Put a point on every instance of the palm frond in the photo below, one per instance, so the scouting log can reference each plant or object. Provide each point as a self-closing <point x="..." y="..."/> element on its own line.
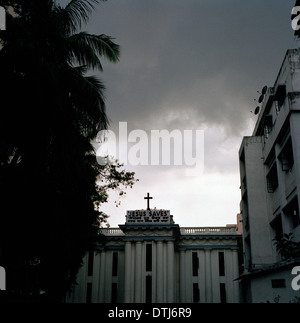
<point x="77" y="12"/>
<point x="82" y="54"/>
<point x="87" y="49"/>
<point x="106" y="47"/>
<point x="88" y="101"/>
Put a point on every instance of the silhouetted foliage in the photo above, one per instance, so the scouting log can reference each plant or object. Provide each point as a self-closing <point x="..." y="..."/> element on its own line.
<point x="50" y="181"/>
<point x="286" y="247"/>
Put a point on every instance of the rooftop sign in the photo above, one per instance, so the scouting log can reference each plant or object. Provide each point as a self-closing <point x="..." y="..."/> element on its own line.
<point x="148" y="217"/>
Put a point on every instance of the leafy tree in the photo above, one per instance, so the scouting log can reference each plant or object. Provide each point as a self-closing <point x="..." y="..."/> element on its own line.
<point x="50" y="181"/>
<point x="286" y="247"/>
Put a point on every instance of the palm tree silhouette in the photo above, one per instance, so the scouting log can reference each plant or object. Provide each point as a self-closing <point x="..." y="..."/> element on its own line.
<point x="50" y="111"/>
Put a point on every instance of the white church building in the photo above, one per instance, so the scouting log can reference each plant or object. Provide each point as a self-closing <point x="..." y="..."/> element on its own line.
<point x="150" y="259"/>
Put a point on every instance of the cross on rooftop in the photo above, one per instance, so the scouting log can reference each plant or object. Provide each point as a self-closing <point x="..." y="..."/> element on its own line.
<point x="148" y="198"/>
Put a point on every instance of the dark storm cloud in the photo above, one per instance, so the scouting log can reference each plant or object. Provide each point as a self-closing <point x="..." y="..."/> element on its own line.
<point x="193" y="62"/>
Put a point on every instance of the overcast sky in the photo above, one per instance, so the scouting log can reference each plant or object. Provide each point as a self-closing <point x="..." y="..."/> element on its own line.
<point x="191" y="65"/>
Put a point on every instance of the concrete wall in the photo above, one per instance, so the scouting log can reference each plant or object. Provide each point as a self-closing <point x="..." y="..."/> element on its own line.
<point x="262" y="290"/>
<point x="254" y="206"/>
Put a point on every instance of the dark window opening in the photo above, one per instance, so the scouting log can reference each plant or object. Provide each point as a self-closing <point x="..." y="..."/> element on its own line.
<point x="272" y="179"/>
<point x="89" y="293"/>
<point x="223" y="293"/>
<point x="114" y="292"/>
<point x="221" y="264"/>
<point x="115" y="264"/>
<point x="277" y="226"/>
<point x="292" y="211"/>
<point x="196" y="293"/>
<point x="90" y="263"/>
<point x="286" y="156"/>
<point x="195" y="263"/>
<point x="148" y="257"/>
<point x="278" y="283"/>
<point x="148" y="289"/>
<point x="268" y="125"/>
<point x="280" y="94"/>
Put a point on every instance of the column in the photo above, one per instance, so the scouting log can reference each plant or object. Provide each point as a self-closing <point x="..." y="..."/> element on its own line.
<point x="127" y="291"/>
<point x="154" y="271"/>
<point x="159" y="273"/>
<point x="235" y="265"/>
<point x="182" y="277"/>
<point x="138" y="273"/>
<point x="208" y="294"/>
<point x="215" y="278"/>
<point x="202" y="280"/>
<point x="102" y="277"/>
<point x="108" y="276"/>
<point x="170" y="276"/>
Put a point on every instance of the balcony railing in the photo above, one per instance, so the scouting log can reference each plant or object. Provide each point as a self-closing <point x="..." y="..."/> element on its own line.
<point x="208" y="230"/>
<point x="112" y="232"/>
<point x="183" y="231"/>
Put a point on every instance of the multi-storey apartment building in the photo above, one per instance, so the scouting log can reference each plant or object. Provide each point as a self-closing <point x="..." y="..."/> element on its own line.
<point x="270" y="186"/>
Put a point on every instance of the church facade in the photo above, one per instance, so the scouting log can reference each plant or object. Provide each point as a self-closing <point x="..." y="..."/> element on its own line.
<point x="150" y="259"/>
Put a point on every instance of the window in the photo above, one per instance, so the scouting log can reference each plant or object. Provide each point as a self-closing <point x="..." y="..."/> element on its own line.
<point x="221" y="264"/>
<point x="115" y="264"/>
<point x="148" y="257"/>
<point x="195" y="263"/>
<point x="89" y="293"/>
<point x="295" y="218"/>
<point x="272" y="179"/>
<point x="277" y="107"/>
<point x="196" y="293"/>
<point x="286" y="156"/>
<point x="222" y="293"/>
<point x="268" y="125"/>
<point x="90" y="263"/>
<point x="280" y="94"/>
<point x="276" y="225"/>
<point x="292" y="211"/>
<point x="114" y="292"/>
<point x="245" y="211"/>
<point x="278" y="283"/>
<point x="148" y="289"/>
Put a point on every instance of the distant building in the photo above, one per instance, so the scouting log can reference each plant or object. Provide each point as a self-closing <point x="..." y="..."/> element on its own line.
<point x="270" y="187"/>
<point x="150" y="259"/>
